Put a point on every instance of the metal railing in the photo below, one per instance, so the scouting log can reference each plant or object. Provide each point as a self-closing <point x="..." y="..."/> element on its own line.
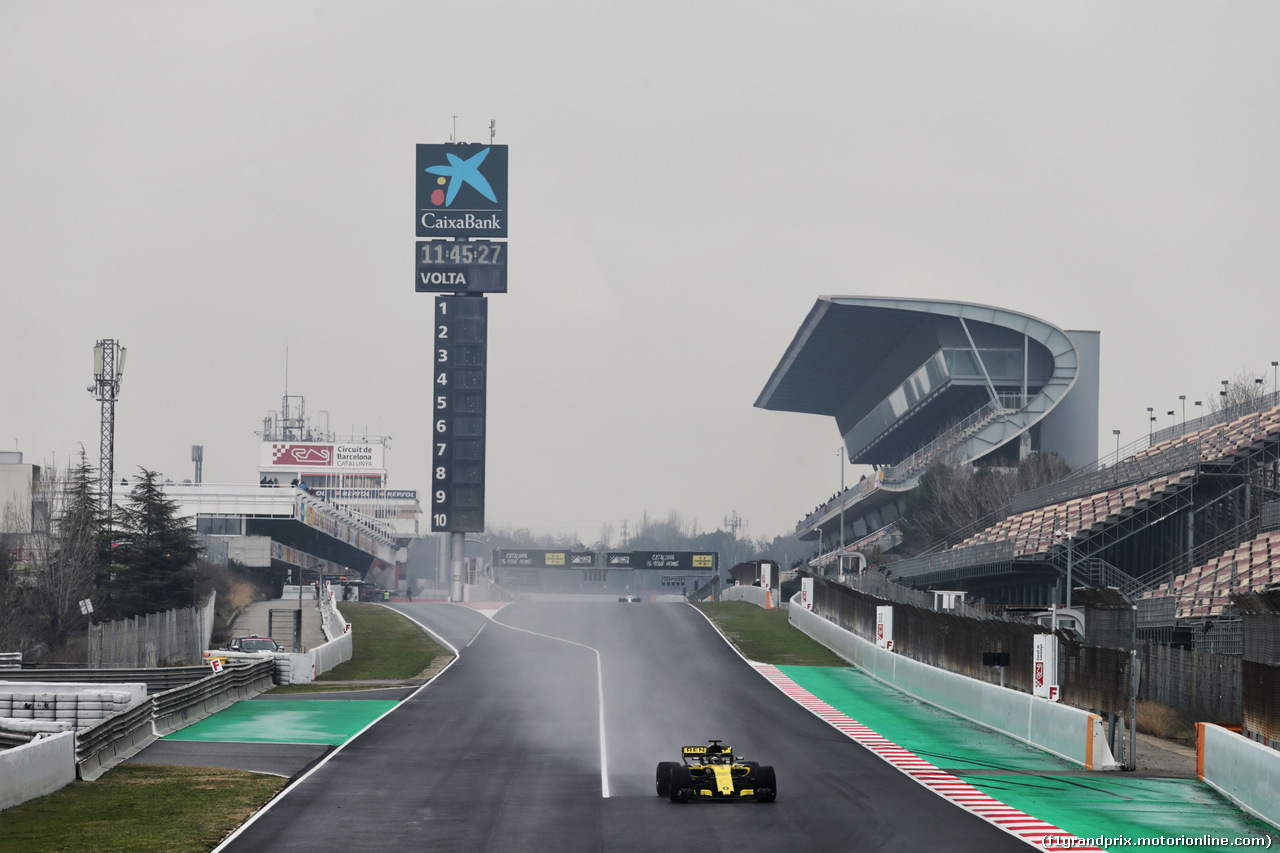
<point x="101" y="746"/>
<point x="1248" y="407"/>
<point x="156" y="679"/>
<point x="1091" y="481"/>
<point x="952" y="436"/>
<point x="992" y="554"/>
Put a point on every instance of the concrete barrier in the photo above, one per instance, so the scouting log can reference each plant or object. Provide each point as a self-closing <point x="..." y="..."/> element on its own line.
<point x="1244" y="771"/>
<point x="754" y="594"/>
<point x="1069" y="733"/>
<point x="37" y="768"/>
<point x="332" y="653"/>
<point x="294" y="668"/>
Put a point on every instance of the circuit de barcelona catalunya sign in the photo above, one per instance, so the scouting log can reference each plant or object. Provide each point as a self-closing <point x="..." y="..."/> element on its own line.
<point x="462" y="190"/>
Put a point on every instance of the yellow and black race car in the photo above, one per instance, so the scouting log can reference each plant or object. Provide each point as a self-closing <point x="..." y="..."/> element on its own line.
<point x="712" y="772"/>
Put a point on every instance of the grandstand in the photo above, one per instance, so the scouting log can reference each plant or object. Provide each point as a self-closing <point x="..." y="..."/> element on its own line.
<point x="1179" y="526"/>
<point x="1179" y="521"/>
<point x="1203" y="592"/>
<point x="910" y="381"/>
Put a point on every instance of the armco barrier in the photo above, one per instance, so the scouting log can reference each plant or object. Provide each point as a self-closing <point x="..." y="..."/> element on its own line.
<point x="1069" y="733"/>
<point x="45" y="764"/>
<point x="156" y="679"/>
<point x="1242" y="770"/>
<point x="37" y="768"/>
<point x="101" y="747"/>
<point x="183" y="706"/>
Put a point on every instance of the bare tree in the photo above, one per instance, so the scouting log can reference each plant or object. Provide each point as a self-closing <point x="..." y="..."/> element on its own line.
<point x="65" y="549"/>
<point x="1244" y="390"/>
<point x="950" y="498"/>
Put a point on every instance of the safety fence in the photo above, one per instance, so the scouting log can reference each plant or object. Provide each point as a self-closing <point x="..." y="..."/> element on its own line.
<point x="169" y="638"/>
<point x="1261" y="664"/>
<point x="1099" y="677"/>
<point x="1206" y="685"/>
<point x="1090" y="677"/>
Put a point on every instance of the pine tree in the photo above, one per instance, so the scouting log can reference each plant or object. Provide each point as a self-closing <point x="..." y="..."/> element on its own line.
<point x="153" y="552"/>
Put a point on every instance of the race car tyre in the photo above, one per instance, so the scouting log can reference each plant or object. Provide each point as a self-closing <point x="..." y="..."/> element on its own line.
<point x="681" y="784"/>
<point x="664" y="777"/>
<point x="766" y="785"/>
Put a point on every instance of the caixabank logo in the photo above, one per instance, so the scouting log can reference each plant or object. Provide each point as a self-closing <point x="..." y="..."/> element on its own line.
<point x="462" y="190"/>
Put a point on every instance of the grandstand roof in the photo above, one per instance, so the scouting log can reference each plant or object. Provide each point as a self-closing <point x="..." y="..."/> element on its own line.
<point x="894" y="372"/>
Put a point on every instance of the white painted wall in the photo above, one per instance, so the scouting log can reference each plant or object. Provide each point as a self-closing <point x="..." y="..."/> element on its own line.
<point x="1242" y="770"/>
<point x="37" y="768"/>
<point x="1069" y="733"/>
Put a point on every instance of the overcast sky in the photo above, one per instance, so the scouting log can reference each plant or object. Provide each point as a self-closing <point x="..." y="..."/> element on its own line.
<point x="211" y="183"/>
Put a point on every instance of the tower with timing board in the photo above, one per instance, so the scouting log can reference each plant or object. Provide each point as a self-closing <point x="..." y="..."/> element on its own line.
<point x="461" y="209"/>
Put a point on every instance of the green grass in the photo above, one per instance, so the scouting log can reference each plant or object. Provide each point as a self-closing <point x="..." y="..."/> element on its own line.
<point x="139" y="808"/>
<point x="386" y="646"/>
<point x="766" y="635"/>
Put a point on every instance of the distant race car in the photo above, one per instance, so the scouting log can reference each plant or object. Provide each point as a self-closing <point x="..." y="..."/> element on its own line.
<point x="631" y="599"/>
<point x="712" y="772"/>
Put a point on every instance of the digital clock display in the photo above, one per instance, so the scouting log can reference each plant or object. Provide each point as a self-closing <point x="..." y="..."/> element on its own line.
<point x="454" y="254"/>
<point x="457" y="266"/>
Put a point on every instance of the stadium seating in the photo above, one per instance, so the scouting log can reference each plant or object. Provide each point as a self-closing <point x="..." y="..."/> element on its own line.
<point x="1033" y="532"/>
<point x="1220" y="441"/>
<point x="1248" y="567"/>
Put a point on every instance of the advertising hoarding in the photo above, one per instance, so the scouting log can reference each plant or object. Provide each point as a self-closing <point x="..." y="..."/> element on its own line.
<point x="316" y="455"/>
<point x="537" y="559"/>
<point x="461" y="190"/>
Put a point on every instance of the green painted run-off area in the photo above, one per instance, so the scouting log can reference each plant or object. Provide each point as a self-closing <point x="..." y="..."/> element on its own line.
<point x="287" y="721"/>
<point x="1088" y="805"/>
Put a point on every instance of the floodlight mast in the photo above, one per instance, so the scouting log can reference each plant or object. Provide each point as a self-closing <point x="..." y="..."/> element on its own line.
<point x="108" y="370"/>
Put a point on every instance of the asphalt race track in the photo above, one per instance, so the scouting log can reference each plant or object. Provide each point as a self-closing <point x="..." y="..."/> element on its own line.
<point x="502" y="751"/>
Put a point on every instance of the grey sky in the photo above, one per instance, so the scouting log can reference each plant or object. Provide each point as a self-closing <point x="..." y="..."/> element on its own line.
<point x="213" y="182"/>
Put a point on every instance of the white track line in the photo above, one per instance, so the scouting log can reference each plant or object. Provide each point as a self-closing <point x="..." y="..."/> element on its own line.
<point x="604" y="753"/>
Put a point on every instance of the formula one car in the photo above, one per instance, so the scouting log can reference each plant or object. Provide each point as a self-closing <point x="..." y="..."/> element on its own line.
<point x="712" y="772"/>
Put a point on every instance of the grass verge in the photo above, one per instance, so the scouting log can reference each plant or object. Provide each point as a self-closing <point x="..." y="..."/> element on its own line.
<point x="387" y="646"/>
<point x="139" y="808"/>
<point x="766" y="635"/>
